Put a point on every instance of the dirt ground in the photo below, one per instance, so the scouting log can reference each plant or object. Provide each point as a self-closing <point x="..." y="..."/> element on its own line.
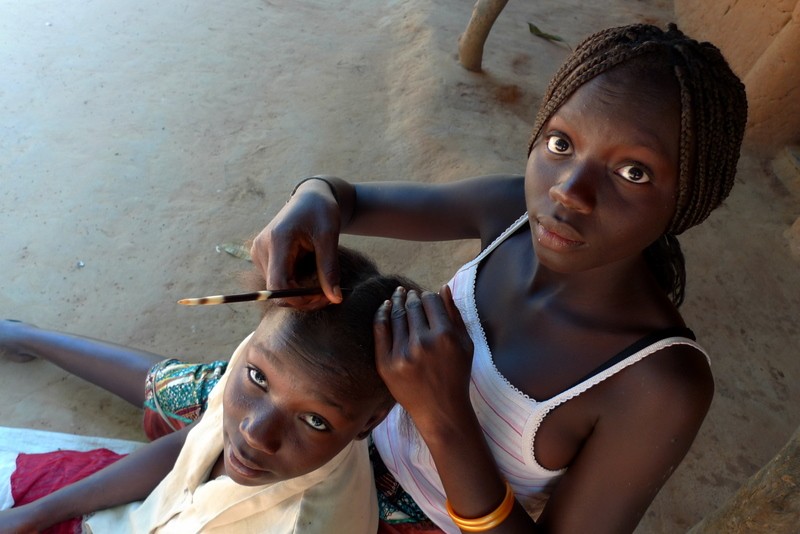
<point x="136" y="137"/>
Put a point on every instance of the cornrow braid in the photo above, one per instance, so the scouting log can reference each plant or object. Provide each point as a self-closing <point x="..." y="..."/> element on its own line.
<point x="713" y="116"/>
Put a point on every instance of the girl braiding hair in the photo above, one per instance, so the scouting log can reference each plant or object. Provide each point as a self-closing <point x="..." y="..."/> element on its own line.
<point x="713" y="118"/>
<point x="579" y="388"/>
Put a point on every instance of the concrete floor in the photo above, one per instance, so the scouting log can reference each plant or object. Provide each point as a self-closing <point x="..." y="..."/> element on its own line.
<point x="134" y="138"/>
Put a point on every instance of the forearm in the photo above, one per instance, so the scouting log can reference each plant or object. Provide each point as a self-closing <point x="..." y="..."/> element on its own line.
<point x="130" y="479"/>
<point x="382" y="209"/>
<point x="421" y="211"/>
<point x="472" y="482"/>
<point x="424" y="354"/>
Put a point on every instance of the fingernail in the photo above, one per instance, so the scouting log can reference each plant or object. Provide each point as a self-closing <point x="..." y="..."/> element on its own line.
<point x="337" y="292"/>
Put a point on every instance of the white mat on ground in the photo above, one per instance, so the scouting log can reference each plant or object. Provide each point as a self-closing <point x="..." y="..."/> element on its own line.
<point x="16" y="440"/>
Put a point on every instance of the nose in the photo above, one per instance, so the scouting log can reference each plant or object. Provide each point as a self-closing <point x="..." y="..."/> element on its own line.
<point x="576" y="189"/>
<point x="264" y="430"/>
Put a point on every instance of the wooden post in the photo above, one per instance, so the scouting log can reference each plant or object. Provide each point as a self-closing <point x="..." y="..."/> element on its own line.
<point x="768" y="503"/>
<point x="470" y="44"/>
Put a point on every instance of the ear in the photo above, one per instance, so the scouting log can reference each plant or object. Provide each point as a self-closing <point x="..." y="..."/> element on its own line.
<point x="379" y="415"/>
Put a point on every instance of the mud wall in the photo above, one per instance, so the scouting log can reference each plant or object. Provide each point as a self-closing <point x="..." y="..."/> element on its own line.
<point x="761" y="41"/>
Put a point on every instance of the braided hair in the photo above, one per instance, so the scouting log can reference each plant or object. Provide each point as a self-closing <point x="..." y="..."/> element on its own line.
<point x="713" y="115"/>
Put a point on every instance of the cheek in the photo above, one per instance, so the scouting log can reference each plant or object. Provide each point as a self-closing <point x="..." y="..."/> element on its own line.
<point x="234" y="405"/>
<point x="532" y="167"/>
<point x="661" y="214"/>
<point x="536" y="177"/>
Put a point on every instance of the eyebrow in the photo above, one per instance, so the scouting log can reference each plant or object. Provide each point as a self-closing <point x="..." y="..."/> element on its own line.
<point x="315" y="394"/>
<point x="645" y="138"/>
<point x="649" y="140"/>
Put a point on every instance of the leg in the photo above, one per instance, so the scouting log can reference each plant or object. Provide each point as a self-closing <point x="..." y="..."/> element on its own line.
<point x="117" y="369"/>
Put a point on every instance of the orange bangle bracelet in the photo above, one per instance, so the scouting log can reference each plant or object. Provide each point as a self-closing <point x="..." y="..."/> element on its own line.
<point x="490" y="520"/>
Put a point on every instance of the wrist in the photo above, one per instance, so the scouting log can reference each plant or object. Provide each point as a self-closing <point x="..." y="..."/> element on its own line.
<point x="317" y="182"/>
<point x="447" y="427"/>
<point x="487" y="521"/>
<point x="343" y="193"/>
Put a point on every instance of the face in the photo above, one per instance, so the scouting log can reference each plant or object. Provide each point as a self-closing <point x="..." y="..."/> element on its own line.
<point x="278" y="422"/>
<point x="601" y="180"/>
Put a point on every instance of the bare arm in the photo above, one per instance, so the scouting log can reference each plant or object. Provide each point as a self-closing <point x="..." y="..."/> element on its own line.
<point x="424" y="355"/>
<point x="313" y="219"/>
<point x="467" y="209"/>
<point x="650" y="417"/>
<point x="130" y="479"/>
<point x="115" y="368"/>
<point x="646" y="421"/>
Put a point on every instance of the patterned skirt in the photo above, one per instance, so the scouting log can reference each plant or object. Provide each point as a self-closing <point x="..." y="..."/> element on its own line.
<point x="176" y="393"/>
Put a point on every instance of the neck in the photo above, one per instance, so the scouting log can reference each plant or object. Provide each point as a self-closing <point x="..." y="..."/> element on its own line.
<point x="619" y="284"/>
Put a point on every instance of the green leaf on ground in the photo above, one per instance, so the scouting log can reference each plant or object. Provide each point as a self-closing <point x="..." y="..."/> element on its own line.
<point x="549" y="36"/>
<point x="236" y="249"/>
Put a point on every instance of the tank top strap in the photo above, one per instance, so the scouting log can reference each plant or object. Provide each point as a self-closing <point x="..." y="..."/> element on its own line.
<point x="516" y="225"/>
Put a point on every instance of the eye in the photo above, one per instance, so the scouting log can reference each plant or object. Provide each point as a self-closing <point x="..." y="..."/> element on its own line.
<point x="257" y="377"/>
<point x="635" y="173"/>
<point x="558" y="145"/>
<point x="314" y="421"/>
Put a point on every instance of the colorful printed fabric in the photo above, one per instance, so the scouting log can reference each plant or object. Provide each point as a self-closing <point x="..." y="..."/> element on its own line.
<point x="396" y="508"/>
<point x="176" y="394"/>
<point x="408" y="528"/>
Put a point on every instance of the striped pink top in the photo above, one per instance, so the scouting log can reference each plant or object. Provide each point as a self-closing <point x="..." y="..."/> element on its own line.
<point x="509" y="418"/>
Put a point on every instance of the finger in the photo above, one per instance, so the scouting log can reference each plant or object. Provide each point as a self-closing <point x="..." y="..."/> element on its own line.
<point x="327" y="258"/>
<point x="435" y="311"/>
<point x="454" y="314"/>
<point x="259" y="254"/>
<point x="449" y="304"/>
<point x="399" y="319"/>
<point x="382" y="329"/>
<point x="416" y="314"/>
<point x="277" y="258"/>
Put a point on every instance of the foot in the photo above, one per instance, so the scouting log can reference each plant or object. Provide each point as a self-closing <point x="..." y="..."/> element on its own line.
<point x="11" y="333"/>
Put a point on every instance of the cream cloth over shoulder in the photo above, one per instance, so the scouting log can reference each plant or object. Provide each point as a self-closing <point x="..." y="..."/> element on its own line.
<point x="337" y="497"/>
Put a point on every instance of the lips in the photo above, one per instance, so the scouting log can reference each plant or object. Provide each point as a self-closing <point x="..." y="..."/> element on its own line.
<point x="243" y="465"/>
<point x="555" y="234"/>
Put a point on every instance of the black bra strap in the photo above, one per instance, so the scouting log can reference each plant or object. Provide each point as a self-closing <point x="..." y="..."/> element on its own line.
<point x="646" y="341"/>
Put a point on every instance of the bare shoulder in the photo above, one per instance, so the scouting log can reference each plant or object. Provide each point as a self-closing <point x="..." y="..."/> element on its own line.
<point x="494" y="201"/>
<point x="678" y="376"/>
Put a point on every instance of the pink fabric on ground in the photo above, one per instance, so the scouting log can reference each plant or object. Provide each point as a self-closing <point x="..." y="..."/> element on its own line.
<point x="38" y="475"/>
